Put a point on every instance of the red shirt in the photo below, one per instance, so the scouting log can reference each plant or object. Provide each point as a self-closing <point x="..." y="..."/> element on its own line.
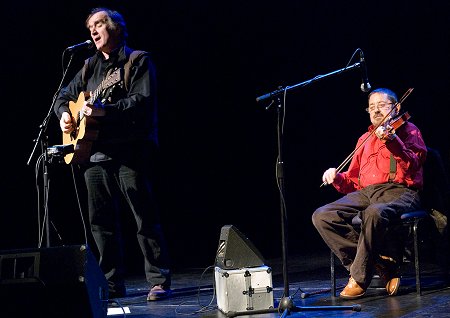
<point x="371" y="163"/>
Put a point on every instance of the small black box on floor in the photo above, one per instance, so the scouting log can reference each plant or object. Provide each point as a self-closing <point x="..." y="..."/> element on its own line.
<point x="52" y="282"/>
<point x="244" y="289"/>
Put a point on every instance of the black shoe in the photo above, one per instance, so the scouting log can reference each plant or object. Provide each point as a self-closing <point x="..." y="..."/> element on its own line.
<point x="116" y="290"/>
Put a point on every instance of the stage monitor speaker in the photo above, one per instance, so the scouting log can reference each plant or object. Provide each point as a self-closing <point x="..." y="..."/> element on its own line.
<point x="236" y="251"/>
<point x="52" y="282"/>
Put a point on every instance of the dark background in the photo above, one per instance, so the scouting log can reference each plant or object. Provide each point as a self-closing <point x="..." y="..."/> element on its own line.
<point x="218" y="145"/>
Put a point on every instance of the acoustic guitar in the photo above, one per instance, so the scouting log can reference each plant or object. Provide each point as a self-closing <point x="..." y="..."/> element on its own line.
<point x="86" y="127"/>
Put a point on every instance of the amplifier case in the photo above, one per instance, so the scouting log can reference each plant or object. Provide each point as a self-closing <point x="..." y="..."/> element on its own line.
<point x="245" y="289"/>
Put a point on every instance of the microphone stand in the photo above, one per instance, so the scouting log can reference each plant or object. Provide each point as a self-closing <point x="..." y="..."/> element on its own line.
<point x="286" y="304"/>
<point x="42" y="139"/>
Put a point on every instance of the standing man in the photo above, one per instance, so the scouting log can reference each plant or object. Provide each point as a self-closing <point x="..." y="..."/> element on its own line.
<point x="381" y="183"/>
<point x="118" y="167"/>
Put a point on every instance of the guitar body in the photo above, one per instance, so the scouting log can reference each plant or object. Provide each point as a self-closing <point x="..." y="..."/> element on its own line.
<point x="86" y="127"/>
<point x="82" y="137"/>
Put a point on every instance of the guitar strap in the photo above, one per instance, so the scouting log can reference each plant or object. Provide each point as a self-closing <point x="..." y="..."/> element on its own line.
<point x="127" y="67"/>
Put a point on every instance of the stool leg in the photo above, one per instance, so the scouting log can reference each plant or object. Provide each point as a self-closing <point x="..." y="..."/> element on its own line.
<point x="416" y="257"/>
<point x="333" y="275"/>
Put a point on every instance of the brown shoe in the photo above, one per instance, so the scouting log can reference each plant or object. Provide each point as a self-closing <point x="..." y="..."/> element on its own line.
<point x="387" y="268"/>
<point x="392" y="286"/>
<point x="353" y="290"/>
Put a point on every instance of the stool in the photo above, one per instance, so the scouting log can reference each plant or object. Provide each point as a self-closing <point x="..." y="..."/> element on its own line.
<point x="411" y="219"/>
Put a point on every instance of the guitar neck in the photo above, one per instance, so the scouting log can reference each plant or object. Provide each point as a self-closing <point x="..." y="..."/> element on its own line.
<point x="95" y="94"/>
<point x="109" y="81"/>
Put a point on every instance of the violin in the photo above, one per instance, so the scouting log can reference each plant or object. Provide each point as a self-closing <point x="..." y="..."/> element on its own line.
<point x="397" y="122"/>
<point x="392" y="125"/>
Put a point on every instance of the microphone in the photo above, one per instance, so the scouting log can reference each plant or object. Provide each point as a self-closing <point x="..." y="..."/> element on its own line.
<point x="365" y="85"/>
<point x="85" y="45"/>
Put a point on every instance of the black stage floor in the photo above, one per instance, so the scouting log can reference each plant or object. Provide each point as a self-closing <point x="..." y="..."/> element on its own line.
<point x="309" y="288"/>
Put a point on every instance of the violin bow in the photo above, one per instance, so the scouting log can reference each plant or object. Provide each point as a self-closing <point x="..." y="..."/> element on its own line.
<point x="350" y="156"/>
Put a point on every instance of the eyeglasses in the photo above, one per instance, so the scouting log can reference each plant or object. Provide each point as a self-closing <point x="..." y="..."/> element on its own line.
<point x="380" y="105"/>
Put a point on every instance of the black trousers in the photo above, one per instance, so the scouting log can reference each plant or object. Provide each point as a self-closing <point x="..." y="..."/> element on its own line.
<point x="377" y="206"/>
<point x="108" y="184"/>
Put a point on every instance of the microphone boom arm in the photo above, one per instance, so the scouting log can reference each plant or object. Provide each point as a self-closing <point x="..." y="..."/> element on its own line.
<point x="314" y="79"/>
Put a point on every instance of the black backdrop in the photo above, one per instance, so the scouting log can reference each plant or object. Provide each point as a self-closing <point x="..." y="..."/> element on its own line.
<point x="218" y="146"/>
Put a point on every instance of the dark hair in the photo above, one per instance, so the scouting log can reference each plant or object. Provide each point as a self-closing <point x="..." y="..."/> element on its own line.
<point x="114" y="20"/>
<point x="391" y="95"/>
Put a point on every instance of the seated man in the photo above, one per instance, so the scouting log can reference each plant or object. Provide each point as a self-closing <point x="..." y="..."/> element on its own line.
<point x="381" y="183"/>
